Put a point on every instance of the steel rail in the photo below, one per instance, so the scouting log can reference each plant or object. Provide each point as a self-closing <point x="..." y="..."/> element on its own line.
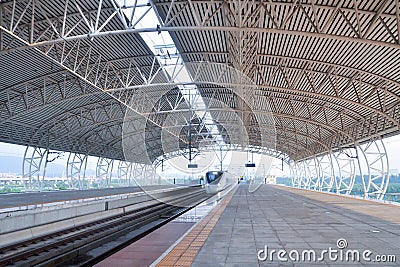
<point x="29" y="253"/>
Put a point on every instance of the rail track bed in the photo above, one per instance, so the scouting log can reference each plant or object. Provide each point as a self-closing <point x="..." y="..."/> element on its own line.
<point x="89" y="243"/>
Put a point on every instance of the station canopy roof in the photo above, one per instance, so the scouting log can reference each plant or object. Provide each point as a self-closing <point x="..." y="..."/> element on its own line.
<point x="294" y="78"/>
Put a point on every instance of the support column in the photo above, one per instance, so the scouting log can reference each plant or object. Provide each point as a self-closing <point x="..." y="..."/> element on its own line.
<point x="125" y="173"/>
<point x="304" y="176"/>
<point x="326" y="173"/>
<point x="151" y="176"/>
<point x="34" y="167"/>
<point x="294" y="174"/>
<point x="144" y="174"/>
<point x="337" y="171"/>
<point x="76" y="170"/>
<point x="137" y="172"/>
<point x="344" y="163"/>
<point x="104" y="171"/>
<point x="330" y="172"/>
<point x="374" y="168"/>
<point x="313" y="173"/>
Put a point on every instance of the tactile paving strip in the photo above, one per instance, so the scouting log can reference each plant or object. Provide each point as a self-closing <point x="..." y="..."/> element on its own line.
<point x="184" y="253"/>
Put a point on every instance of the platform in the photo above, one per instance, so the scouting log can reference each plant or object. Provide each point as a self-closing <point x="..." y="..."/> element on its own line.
<point x="149" y="248"/>
<point x="239" y="231"/>
<point x="32" y="198"/>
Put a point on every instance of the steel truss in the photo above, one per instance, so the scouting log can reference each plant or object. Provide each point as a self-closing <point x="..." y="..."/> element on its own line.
<point x="294" y="174"/>
<point x="29" y="20"/>
<point x="174" y="114"/>
<point x="64" y="38"/>
<point x="376" y="178"/>
<point x="145" y="174"/>
<point x="104" y="171"/>
<point x="125" y="174"/>
<point x="36" y="160"/>
<point x="344" y="165"/>
<point x="326" y="172"/>
<point x="338" y="171"/>
<point x="319" y="104"/>
<point x="34" y="167"/>
<point x="228" y="147"/>
<point x="329" y="172"/>
<point x="76" y="170"/>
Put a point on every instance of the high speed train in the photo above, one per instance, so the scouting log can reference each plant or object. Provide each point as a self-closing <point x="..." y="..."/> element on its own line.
<point x="217" y="181"/>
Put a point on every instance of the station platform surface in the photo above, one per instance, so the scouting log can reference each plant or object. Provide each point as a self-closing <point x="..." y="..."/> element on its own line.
<point x="244" y="226"/>
<point x="32" y="198"/>
<point x="146" y="250"/>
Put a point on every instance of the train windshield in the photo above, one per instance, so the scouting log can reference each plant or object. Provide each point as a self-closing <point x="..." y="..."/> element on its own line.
<point x="212" y="176"/>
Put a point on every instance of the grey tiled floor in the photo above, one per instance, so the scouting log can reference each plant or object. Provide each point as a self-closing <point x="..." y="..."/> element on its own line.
<point x="284" y="220"/>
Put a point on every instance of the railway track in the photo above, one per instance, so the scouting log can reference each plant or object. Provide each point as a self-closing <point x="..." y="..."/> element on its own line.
<point x="66" y="245"/>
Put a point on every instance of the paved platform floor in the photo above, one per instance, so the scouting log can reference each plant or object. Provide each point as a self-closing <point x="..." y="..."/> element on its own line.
<point x="32" y="198"/>
<point x="146" y="250"/>
<point x="183" y="253"/>
<point x="299" y="221"/>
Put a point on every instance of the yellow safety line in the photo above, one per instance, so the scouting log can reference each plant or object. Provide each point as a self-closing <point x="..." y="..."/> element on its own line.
<point x="184" y="253"/>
